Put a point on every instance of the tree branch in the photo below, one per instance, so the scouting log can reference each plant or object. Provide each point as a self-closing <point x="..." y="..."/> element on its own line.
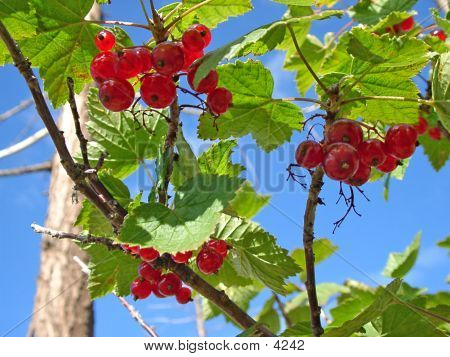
<point x="22" y="145"/>
<point x="281" y="306"/>
<point x="45" y="166"/>
<point x="17" y="109"/>
<point x="308" y="239"/>
<point x="199" y="318"/>
<point x="305" y="61"/>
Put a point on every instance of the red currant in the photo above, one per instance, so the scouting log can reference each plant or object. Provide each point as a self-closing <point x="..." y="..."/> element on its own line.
<point x="190" y="57"/>
<point x="435" y="133"/>
<point x="182" y="257"/>
<point x="104" y="66"/>
<point x="341" y="161"/>
<point x="147" y="272"/>
<point x="158" y="91"/>
<point x="157" y="293"/>
<point x="140" y="288"/>
<point x="218" y="245"/>
<point x="422" y="126"/>
<point x="116" y="94"/>
<point x="371" y="152"/>
<point x="400" y="141"/>
<point x="440" y="34"/>
<point x="168" y="58"/>
<point x="193" y="40"/>
<point x="145" y="58"/>
<point x="204" y="31"/>
<point x="309" y="154"/>
<point x="135" y="249"/>
<point x="170" y="284"/>
<point x="405" y="25"/>
<point x="389" y="165"/>
<point x="105" y="40"/>
<point x="184" y="295"/>
<point x="149" y="254"/>
<point x="345" y="131"/>
<point x="219" y="100"/>
<point x="361" y="176"/>
<point x="207" y="84"/>
<point x="129" y="64"/>
<point x="209" y="261"/>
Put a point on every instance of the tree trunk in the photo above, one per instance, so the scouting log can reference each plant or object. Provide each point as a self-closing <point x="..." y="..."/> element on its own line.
<point x="62" y="305"/>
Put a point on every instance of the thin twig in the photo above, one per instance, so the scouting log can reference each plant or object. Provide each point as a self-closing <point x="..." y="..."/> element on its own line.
<point x="199" y="318"/>
<point x="22" y="145"/>
<point x="308" y="100"/>
<point x="305" y="61"/>
<point x="397" y="99"/>
<point x="282" y="309"/>
<point x="131" y="309"/>
<point x="45" y="166"/>
<point x="184" y="14"/>
<point x="120" y="23"/>
<point x="17" y="109"/>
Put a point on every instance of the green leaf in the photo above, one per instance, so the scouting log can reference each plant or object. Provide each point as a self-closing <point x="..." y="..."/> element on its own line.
<point x="270" y="121"/>
<point x="437" y="151"/>
<point x="323" y="248"/>
<point x="117" y="134"/>
<point x="385" y="297"/>
<point x="110" y="271"/>
<point x="63" y="45"/>
<point x="227" y="276"/>
<point x="210" y="14"/>
<point x="445" y="243"/>
<point x="255" y="254"/>
<point x="369" y="12"/>
<point x="392" y="19"/>
<point x="264" y="39"/>
<point x="217" y="159"/>
<point x="441" y="22"/>
<point x="269" y="316"/>
<point x="247" y="202"/>
<point x="441" y="88"/>
<point x="90" y="219"/>
<point x="399" y="264"/>
<point x="186" y="165"/>
<point x="198" y="204"/>
<point x="300" y="329"/>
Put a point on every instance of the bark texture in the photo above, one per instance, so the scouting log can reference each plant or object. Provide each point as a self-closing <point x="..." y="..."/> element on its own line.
<point x="62" y="305"/>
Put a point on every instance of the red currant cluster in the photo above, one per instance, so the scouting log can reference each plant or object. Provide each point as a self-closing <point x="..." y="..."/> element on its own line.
<point x="422" y="127"/>
<point x="209" y="260"/>
<point x="408" y="24"/>
<point x="157" y="71"/>
<point x="345" y="155"/>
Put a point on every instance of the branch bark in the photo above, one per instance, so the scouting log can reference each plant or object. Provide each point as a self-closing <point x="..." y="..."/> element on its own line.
<point x="45" y="166"/>
<point x="308" y="239"/>
<point x="22" y="145"/>
<point x="17" y="109"/>
<point x="282" y="309"/>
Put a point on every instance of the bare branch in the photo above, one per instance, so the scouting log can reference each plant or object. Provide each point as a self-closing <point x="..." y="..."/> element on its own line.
<point x="17" y="109"/>
<point x="131" y="309"/>
<point x="199" y="318"/>
<point x="45" y="166"/>
<point x="282" y="309"/>
<point x="22" y="145"/>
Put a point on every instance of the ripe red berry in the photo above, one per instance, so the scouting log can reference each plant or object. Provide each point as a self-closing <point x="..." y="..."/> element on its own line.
<point x="345" y="131"/>
<point x="209" y="261"/>
<point x="129" y="64"/>
<point x="440" y="34"/>
<point x="135" y="249"/>
<point x="116" y="94"/>
<point x="361" y="176"/>
<point x="389" y="165"/>
<point x="219" y="100"/>
<point x="435" y="133"/>
<point x="182" y="257"/>
<point x="207" y="84"/>
<point x="400" y="141"/>
<point x="169" y="284"/>
<point x="422" y="126"/>
<point x="341" y="161"/>
<point x="145" y="58"/>
<point x="309" y="154"/>
<point x="147" y="272"/>
<point x="104" y="66"/>
<point x="407" y="25"/>
<point x="193" y="40"/>
<point x="371" y="152"/>
<point x="218" y="245"/>
<point x="204" y="31"/>
<point x="140" y="288"/>
<point x="158" y="91"/>
<point x="156" y="292"/>
<point x="168" y="58"/>
<point x="149" y="254"/>
<point x="184" y="295"/>
<point x="105" y="40"/>
<point x="190" y="57"/>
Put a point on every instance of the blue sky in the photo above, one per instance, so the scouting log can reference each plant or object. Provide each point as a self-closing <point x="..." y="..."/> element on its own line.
<point x="419" y="203"/>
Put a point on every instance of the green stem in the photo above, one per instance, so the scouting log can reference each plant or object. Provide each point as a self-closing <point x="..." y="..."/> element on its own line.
<point x="308" y="100"/>
<point x="303" y="58"/>
<point x="184" y="14"/>
<point x="120" y="23"/>
<point x="398" y="99"/>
